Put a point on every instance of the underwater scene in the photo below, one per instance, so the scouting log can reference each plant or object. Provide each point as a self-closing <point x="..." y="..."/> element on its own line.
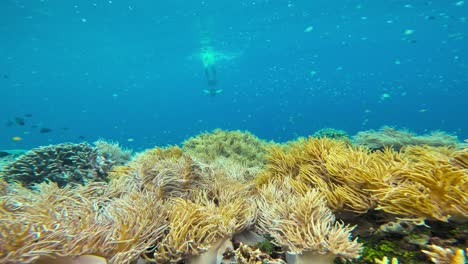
<point x="234" y="132"/>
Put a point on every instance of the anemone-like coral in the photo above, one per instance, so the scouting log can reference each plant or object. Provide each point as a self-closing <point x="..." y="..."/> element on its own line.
<point x="415" y="182"/>
<point x="241" y="147"/>
<point x="51" y="222"/>
<point x="391" y="137"/>
<point x="192" y="230"/>
<point x="427" y="187"/>
<point x="166" y="172"/>
<point x="65" y="163"/>
<point x="445" y="255"/>
<point x="304" y="225"/>
<point x="338" y="170"/>
<point x="112" y="153"/>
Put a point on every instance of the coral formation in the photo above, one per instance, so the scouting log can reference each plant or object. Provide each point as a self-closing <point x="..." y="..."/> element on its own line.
<point x="65" y="163"/>
<point x="303" y="224"/>
<point x="445" y="255"/>
<point x="49" y="221"/>
<point x="391" y="137"/>
<point x="338" y="170"/>
<point x="238" y="146"/>
<point x="178" y="205"/>
<point x="425" y="185"/>
<point x="332" y="133"/>
<point x="416" y="182"/>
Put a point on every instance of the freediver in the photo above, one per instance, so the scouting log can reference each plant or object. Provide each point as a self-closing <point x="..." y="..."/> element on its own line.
<point x="210" y="74"/>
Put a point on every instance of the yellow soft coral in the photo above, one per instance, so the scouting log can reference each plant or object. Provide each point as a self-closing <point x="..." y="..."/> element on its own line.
<point x="429" y="186"/>
<point x="303" y="224"/>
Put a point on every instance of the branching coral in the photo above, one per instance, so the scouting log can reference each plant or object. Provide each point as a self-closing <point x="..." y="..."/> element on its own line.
<point x="303" y="224"/>
<point x="391" y="137"/>
<point x="65" y="163"/>
<point x="241" y="147"/>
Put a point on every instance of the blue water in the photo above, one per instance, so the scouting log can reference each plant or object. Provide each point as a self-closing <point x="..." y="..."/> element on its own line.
<point x="130" y="71"/>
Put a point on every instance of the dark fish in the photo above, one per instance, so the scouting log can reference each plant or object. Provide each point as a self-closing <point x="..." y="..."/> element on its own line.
<point x="81" y="137"/>
<point x="19" y="121"/>
<point x="9" y="123"/>
<point x="65" y="128"/>
<point x="5" y="76"/>
<point x="28" y="115"/>
<point x="45" y="130"/>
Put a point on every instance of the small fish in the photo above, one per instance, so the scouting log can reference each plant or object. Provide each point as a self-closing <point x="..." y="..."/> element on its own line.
<point x="9" y="123"/>
<point x="28" y="115"/>
<point x="65" y="128"/>
<point x="6" y="76"/>
<point x="385" y="96"/>
<point x="20" y="121"/>
<point x="423" y="110"/>
<point x="308" y="29"/>
<point x="81" y="137"/>
<point x="16" y="138"/>
<point x="45" y="130"/>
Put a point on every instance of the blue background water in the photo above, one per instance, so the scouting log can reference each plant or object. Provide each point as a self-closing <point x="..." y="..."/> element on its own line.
<point x="129" y="70"/>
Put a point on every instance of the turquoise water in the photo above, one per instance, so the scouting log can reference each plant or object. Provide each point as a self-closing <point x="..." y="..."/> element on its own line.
<point x="135" y="71"/>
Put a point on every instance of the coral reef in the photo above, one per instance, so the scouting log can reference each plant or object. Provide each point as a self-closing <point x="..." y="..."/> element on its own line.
<point x="391" y="137"/>
<point x="178" y="205"/>
<point x="416" y="182"/>
<point x="241" y="147"/>
<point x="332" y="133"/>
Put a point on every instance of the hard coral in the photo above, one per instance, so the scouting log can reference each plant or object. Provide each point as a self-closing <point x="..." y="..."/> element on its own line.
<point x="64" y="163"/>
<point x="391" y="137"/>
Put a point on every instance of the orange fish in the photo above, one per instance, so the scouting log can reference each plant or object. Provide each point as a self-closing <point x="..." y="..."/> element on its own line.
<point x="16" y="138"/>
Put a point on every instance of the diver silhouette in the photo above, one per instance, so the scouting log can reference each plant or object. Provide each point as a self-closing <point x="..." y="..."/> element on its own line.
<point x="210" y="74"/>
